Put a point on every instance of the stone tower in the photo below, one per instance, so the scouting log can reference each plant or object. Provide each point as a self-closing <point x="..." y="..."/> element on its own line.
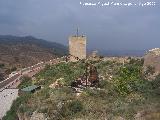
<point x="77" y="47"/>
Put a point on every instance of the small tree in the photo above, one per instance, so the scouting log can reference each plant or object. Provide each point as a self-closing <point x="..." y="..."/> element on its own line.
<point x="156" y="83"/>
<point x="13" y="69"/>
<point x="25" y="81"/>
<point x="1" y="76"/>
<point x="2" y="65"/>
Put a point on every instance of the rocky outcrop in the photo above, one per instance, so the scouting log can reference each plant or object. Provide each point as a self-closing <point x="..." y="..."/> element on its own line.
<point x="152" y="62"/>
<point x="152" y="58"/>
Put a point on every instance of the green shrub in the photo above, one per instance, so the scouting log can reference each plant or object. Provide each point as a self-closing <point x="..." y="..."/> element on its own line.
<point x="1" y="76"/>
<point x="150" y="70"/>
<point x="68" y="71"/>
<point x="156" y="83"/>
<point x="25" y="82"/>
<point x="129" y="79"/>
<point x="134" y="61"/>
<point x="75" y="106"/>
<point x="71" y="108"/>
<point x="1" y="65"/>
<point x="104" y="84"/>
<point x="13" y="69"/>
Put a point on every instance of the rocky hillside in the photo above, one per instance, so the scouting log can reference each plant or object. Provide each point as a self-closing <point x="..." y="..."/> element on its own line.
<point x="123" y="94"/>
<point x="17" y="52"/>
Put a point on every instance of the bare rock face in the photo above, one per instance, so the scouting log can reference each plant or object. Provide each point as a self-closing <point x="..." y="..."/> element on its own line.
<point x="152" y="62"/>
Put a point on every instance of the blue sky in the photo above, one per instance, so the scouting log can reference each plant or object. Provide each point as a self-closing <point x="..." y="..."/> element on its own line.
<point x="109" y="28"/>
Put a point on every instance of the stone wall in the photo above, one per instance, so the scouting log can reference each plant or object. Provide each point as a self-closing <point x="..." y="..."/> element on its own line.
<point x="77" y="47"/>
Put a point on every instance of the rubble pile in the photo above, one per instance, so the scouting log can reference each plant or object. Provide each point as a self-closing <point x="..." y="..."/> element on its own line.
<point x="88" y="79"/>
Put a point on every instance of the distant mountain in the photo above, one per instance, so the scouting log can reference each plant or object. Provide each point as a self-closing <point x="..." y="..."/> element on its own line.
<point x="121" y="52"/>
<point x="17" y="52"/>
<point x="56" y="48"/>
